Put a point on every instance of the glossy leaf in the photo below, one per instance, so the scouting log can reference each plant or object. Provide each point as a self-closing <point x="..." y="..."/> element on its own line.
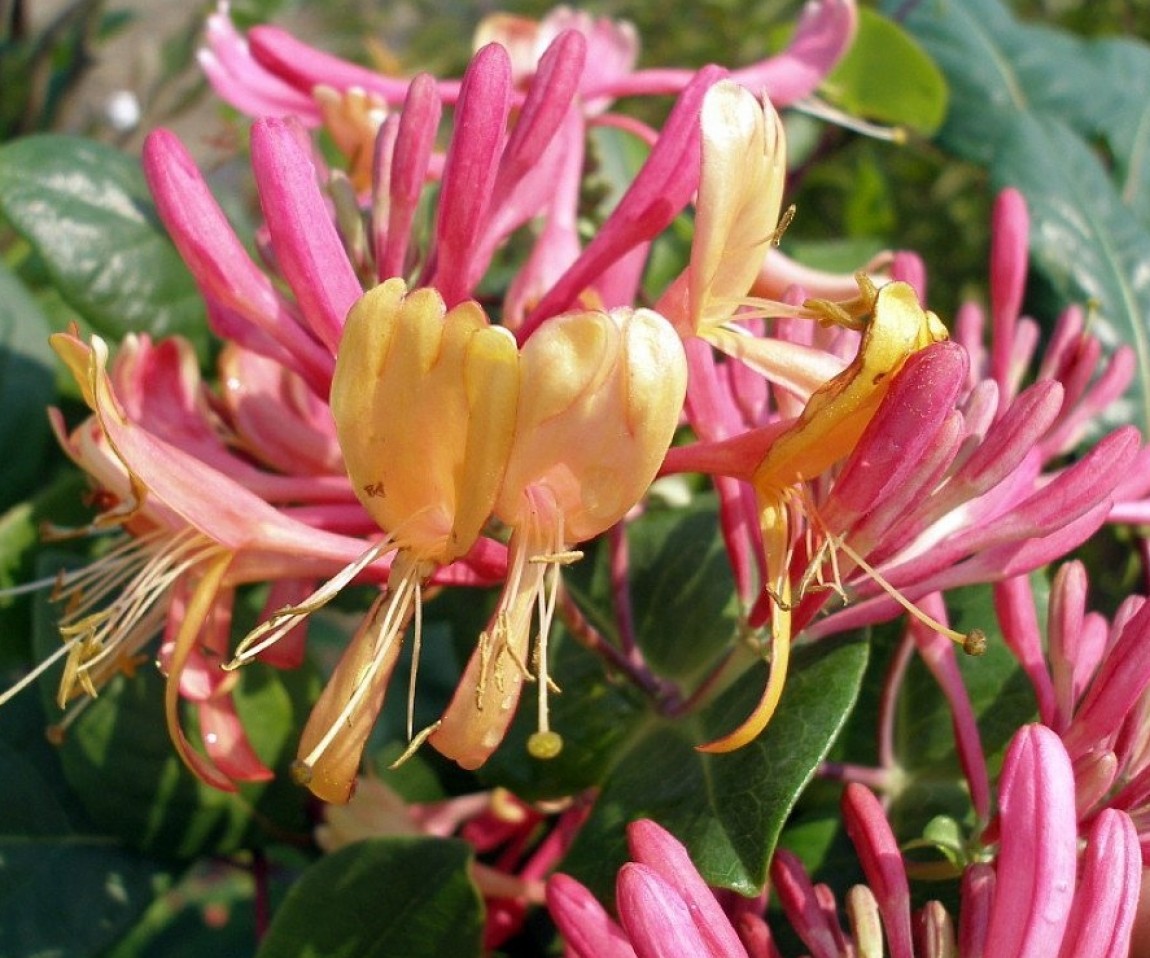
<point x="1085" y="242"/>
<point x="887" y="77"/>
<point x="85" y="210"/>
<point x="727" y="809"/>
<point x="27" y="387"/>
<point x="381" y="898"/>
<point x="1017" y="108"/>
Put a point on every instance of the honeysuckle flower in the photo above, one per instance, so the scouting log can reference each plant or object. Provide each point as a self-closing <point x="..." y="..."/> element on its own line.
<point x="270" y="70"/>
<point x="1029" y="896"/>
<point x="993" y="499"/>
<point x="783" y="456"/>
<point x="407" y="369"/>
<point x="665" y="907"/>
<point x="562" y="73"/>
<point x="600" y="397"/>
<point x="244" y="304"/>
<point x="1034" y="899"/>
<point x="948" y="485"/>
<point x="194" y="531"/>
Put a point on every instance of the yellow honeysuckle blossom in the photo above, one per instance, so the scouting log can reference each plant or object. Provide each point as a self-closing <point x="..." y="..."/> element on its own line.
<point x="830" y="426"/>
<point x="424" y="402"/>
<point x="600" y="397"/>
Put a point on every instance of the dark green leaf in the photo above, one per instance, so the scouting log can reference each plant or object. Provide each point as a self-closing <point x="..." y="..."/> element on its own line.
<point x="27" y="387"/>
<point x="121" y="764"/>
<point x="727" y="809"/>
<point x="595" y="716"/>
<point x="681" y="587"/>
<point x="382" y="898"/>
<point x="66" y="889"/>
<point x="1002" y="699"/>
<point x="85" y="209"/>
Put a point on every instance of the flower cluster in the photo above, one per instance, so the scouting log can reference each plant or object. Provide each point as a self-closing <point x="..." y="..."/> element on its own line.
<point x="439" y="369"/>
<point x="1034" y="899"/>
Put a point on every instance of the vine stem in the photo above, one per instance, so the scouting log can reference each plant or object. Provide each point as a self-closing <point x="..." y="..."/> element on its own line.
<point x="632" y="666"/>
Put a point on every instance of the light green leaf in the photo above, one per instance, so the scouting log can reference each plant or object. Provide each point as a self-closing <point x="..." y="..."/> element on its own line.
<point x="887" y="77"/>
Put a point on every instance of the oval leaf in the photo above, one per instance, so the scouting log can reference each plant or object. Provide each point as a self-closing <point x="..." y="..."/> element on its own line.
<point x="886" y="76"/>
<point x="85" y="210"/>
<point x="727" y="809"/>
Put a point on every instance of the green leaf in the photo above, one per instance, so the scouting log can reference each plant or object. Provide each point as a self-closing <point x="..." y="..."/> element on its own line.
<point x="382" y="898"/>
<point x="85" y="209"/>
<point x="1084" y="241"/>
<point x="50" y="855"/>
<point x="1018" y="109"/>
<point x="595" y="716"/>
<point x="727" y="809"/>
<point x="680" y="585"/>
<point x="887" y="77"/>
<point x="27" y="388"/>
<point x="121" y="764"/>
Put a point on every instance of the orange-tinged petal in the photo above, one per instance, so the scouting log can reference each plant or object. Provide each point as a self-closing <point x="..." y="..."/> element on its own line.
<point x="488" y="692"/>
<point x="827" y="431"/>
<point x="407" y="371"/>
<point x="332" y="743"/>
<point x="600" y="397"/>
<point x="836" y="415"/>
<point x="199" y="605"/>
<point x="776" y="541"/>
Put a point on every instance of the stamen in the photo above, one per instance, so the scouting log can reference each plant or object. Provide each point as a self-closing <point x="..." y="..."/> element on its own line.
<point x="34" y="674"/>
<point x="543" y="743"/>
<point x="415" y="743"/>
<point x="98" y="640"/>
<point x="416" y="647"/>
<point x="268" y="633"/>
<point x="396" y="608"/>
<point x="973" y="642"/>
